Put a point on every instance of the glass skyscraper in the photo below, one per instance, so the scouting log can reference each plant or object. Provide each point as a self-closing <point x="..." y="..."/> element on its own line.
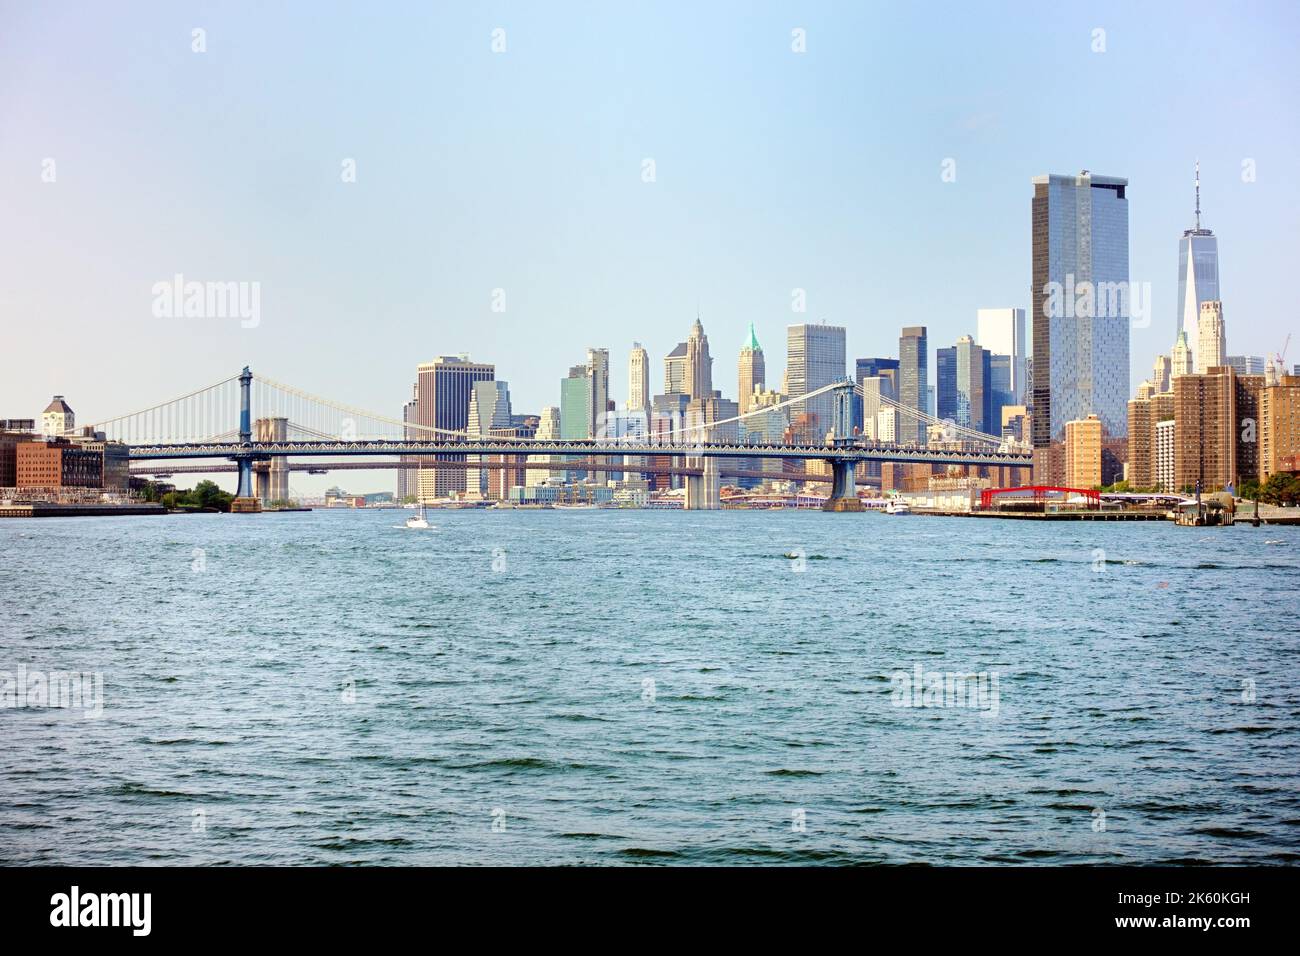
<point x="815" y="356"/>
<point x="1198" y="271"/>
<point x="913" y="381"/>
<point x="1081" y="303"/>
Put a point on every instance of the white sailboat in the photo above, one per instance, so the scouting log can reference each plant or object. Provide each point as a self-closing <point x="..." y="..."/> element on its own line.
<point x="418" y="520"/>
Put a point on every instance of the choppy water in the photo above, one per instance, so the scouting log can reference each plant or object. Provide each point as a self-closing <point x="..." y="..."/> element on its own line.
<point x="648" y="687"/>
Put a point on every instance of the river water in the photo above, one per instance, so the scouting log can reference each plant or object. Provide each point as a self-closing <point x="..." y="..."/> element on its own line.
<point x="630" y="687"/>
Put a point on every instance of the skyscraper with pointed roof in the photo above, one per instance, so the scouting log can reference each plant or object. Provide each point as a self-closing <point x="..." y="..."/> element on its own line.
<point x="753" y="370"/>
<point x="1198" y="272"/>
<point x="699" y="364"/>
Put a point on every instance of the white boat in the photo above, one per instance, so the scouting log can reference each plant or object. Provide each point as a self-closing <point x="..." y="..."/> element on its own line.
<point x="897" y="507"/>
<point x="418" y="520"/>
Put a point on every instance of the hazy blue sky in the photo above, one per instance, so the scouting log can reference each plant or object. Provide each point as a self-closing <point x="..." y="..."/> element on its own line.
<point x="522" y="171"/>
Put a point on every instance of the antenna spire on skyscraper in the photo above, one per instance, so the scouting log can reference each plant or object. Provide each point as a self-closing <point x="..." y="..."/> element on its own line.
<point x="1198" y="195"/>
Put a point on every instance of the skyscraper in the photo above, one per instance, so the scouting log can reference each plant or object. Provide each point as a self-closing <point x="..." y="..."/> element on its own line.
<point x="598" y="386"/>
<point x="1198" y="271"/>
<point x="1210" y="343"/>
<point x="913" y="381"/>
<point x="753" y="371"/>
<point x="489" y="414"/>
<point x="406" y="476"/>
<point x="1002" y="332"/>
<point x="1081" y="303"/>
<point x="699" y="364"/>
<point x="1181" y="363"/>
<point x="964" y="378"/>
<point x="442" y="398"/>
<point x="815" y="356"/>
<point x="884" y="368"/>
<point x="1160" y="373"/>
<point x="638" y="379"/>
<point x="548" y="429"/>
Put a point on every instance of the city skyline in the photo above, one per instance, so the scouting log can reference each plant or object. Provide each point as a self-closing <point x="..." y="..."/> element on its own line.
<point x="584" y="251"/>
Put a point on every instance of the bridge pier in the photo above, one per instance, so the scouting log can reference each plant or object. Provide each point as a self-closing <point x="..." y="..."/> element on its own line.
<point x="844" y="488"/>
<point x="704" y="492"/>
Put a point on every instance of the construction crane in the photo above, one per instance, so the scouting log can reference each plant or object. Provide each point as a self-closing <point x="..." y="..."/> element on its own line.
<point x="1278" y="365"/>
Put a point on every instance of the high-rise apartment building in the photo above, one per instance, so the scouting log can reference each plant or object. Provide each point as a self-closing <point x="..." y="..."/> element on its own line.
<point x="1166" y="430"/>
<point x="1002" y="332"/>
<point x="752" y="371"/>
<point x="1210" y="344"/>
<point x="1145" y="414"/>
<point x="1214" y="440"/>
<point x="1198" y="272"/>
<point x="913" y="381"/>
<point x="1083" y="453"/>
<point x="1081" y="304"/>
<point x="638" y="379"/>
<point x="442" y="397"/>
<point x="815" y="357"/>
<point x="1279" y="426"/>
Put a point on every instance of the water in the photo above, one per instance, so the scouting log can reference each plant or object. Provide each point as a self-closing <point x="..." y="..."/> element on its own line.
<point x="513" y="690"/>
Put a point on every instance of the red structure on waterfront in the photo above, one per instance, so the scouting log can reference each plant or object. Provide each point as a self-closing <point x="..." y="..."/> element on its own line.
<point x="1038" y="494"/>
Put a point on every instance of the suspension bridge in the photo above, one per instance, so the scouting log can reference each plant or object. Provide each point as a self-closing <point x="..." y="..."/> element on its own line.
<point x="259" y="424"/>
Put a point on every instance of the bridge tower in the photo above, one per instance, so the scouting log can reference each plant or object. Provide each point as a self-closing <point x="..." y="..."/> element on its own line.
<point x="844" y="486"/>
<point x="245" y="501"/>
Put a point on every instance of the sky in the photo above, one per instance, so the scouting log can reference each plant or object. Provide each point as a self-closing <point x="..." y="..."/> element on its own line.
<point x="517" y="177"/>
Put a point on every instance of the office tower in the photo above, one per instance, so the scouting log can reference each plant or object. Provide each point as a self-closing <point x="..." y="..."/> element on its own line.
<point x="887" y="425"/>
<point x="814" y="358"/>
<point x="1247" y="364"/>
<point x="548" y="429"/>
<point x="1198" y="271"/>
<point x="676" y="376"/>
<point x="489" y="416"/>
<point x="1000" y="390"/>
<point x="699" y="364"/>
<point x="1080" y="303"/>
<point x="753" y="371"/>
<point x="1002" y="332"/>
<point x="1181" y="362"/>
<point x="598" y="387"/>
<point x="1279" y="426"/>
<point x="704" y="411"/>
<point x="1210" y="337"/>
<point x="638" y="379"/>
<point x="1161" y="372"/>
<point x="406" y="475"/>
<point x="1083" y="453"/>
<point x="1211" y="444"/>
<point x="575" y="404"/>
<point x="442" y="398"/>
<point x="885" y="368"/>
<point x="873" y="388"/>
<point x="667" y="427"/>
<point x="913" y="382"/>
<point x="964" y="378"/>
